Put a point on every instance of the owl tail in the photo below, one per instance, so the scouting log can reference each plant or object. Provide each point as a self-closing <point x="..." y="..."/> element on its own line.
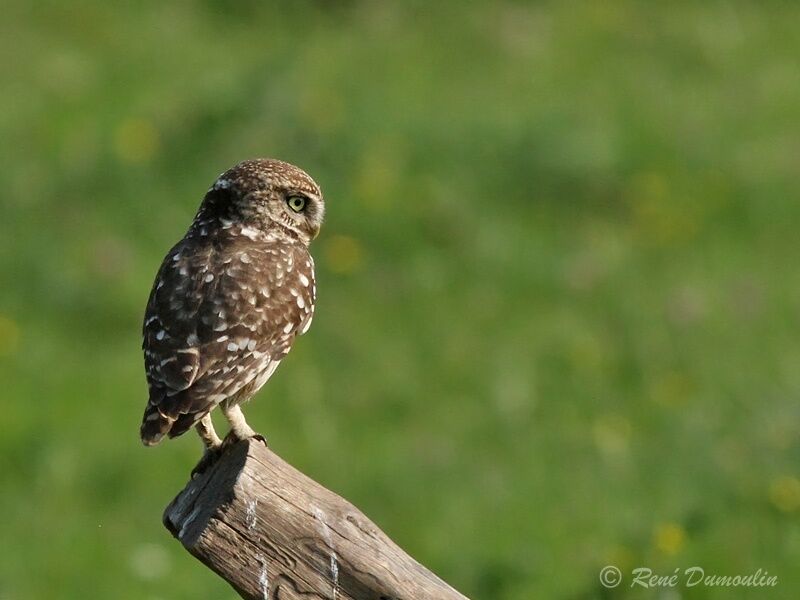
<point x="155" y="425"/>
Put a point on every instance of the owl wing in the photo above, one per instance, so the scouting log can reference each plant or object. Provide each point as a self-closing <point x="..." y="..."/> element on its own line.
<point x="221" y="318"/>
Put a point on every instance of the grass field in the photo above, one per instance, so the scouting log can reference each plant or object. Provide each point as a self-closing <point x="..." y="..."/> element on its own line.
<point x="558" y="323"/>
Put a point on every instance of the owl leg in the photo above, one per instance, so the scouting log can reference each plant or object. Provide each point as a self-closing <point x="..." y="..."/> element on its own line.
<point x="205" y="427"/>
<point x="207" y="433"/>
<point x="240" y="430"/>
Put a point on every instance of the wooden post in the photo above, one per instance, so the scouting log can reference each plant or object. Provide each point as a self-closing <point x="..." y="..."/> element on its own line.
<point x="273" y="533"/>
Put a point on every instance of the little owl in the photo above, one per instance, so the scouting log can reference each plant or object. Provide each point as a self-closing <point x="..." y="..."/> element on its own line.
<point x="229" y="300"/>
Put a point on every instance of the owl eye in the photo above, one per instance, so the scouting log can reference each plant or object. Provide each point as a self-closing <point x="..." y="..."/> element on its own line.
<point x="296" y="203"/>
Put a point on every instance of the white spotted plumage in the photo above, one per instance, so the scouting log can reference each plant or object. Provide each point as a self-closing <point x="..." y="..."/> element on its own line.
<point x="229" y="299"/>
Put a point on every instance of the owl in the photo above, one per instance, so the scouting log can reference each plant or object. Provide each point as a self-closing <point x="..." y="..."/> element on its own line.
<point x="229" y="300"/>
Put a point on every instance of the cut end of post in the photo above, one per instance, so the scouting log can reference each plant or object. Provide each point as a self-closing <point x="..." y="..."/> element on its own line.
<point x="271" y="532"/>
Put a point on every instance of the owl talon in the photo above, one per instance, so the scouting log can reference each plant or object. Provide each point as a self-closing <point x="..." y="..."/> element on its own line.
<point x="233" y="438"/>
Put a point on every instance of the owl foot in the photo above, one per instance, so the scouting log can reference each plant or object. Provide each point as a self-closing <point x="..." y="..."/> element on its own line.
<point x="234" y="437"/>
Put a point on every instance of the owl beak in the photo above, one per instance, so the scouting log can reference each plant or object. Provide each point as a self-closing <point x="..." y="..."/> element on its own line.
<point x="314" y="232"/>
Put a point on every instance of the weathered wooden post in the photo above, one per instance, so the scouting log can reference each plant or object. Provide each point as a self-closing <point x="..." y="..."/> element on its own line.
<point x="273" y="533"/>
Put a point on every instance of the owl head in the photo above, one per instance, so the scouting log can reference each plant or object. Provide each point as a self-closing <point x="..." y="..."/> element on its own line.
<point x="270" y="195"/>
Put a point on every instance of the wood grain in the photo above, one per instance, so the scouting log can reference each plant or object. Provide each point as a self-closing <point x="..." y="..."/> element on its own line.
<point x="273" y="533"/>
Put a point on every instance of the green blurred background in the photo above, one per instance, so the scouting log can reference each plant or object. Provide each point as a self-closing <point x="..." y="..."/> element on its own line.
<point x="559" y="297"/>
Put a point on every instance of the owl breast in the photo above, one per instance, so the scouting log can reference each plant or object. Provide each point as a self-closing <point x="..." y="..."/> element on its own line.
<point x="263" y="372"/>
